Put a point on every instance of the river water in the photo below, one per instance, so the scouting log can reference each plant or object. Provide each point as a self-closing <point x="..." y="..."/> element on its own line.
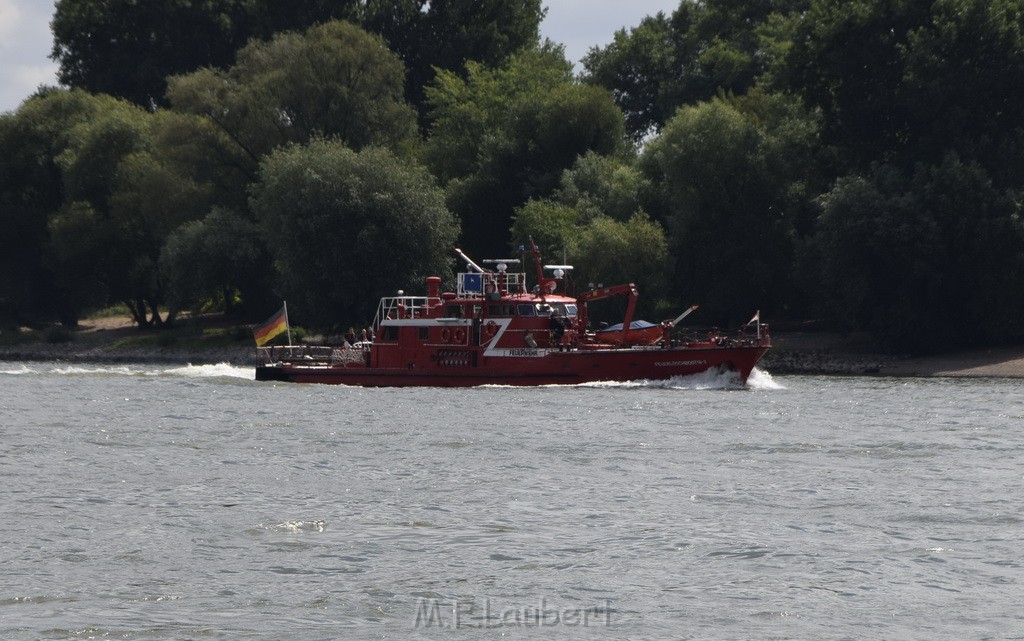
<point x="148" y="502"/>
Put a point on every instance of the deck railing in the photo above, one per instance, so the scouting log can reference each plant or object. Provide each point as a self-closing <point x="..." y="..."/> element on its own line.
<point x="312" y="354"/>
<point x="403" y="307"/>
<point x="477" y="284"/>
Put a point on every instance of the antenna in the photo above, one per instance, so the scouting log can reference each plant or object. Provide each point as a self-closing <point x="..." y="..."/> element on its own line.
<point x="470" y="265"/>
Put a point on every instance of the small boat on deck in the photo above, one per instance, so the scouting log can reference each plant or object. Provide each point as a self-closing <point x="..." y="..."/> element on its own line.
<point x="495" y="330"/>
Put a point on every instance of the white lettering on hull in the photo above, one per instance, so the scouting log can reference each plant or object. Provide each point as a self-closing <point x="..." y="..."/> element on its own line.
<point x="519" y="353"/>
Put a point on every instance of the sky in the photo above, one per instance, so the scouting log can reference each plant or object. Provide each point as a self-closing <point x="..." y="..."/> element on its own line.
<point x="25" y="39"/>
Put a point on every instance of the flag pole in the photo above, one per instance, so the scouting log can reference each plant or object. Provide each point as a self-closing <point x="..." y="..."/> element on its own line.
<point x="287" y="325"/>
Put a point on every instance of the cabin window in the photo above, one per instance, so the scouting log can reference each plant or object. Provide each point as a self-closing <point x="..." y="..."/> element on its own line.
<point x="424" y="333"/>
<point x="389" y="333"/>
<point x="565" y="309"/>
<point x="501" y="310"/>
<point x="526" y="310"/>
<point x="453" y="311"/>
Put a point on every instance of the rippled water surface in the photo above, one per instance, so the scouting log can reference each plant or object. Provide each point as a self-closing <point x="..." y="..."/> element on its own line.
<point x="154" y="503"/>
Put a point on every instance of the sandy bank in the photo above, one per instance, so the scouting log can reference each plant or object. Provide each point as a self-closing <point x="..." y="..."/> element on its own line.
<point x="824" y="353"/>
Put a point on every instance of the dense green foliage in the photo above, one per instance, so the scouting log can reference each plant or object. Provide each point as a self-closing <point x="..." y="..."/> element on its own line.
<point x="128" y="48"/>
<point x="703" y="48"/>
<point x="595" y="220"/>
<point x="857" y="161"/>
<point x="333" y="81"/>
<point x="502" y="136"/>
<point x="918" y="258"/>
<point x="341" y="223"/>
<point x="221" y="258"/>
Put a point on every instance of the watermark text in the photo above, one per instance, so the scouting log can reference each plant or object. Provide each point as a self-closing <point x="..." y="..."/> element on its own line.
<point x="436" y="613"/>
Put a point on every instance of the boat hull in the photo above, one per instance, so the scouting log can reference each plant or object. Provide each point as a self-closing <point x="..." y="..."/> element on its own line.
<point x="551" y="368"/>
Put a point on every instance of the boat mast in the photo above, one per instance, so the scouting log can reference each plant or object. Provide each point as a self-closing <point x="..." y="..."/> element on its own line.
<point x="540" y="271"/>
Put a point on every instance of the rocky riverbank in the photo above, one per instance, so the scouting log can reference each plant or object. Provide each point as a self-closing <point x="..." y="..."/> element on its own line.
<point x="835" y="354"/>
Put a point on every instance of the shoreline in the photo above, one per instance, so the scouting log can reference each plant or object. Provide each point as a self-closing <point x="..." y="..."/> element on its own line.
<point x="837" y="355"/>
<point x="792" y="354"/>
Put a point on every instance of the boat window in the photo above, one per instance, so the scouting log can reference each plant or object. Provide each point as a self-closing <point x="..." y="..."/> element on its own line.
<point x="453" y="311"/>
<point x="543" y="309"/>
<point x="564" y="309"/>
<point x="501" y="310"/>
<point x="424" y="333"/>
<point x="389" y="333"/>
<point x="526" y="310"/>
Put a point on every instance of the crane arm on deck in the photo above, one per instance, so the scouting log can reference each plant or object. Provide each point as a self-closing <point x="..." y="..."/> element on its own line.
<point x="629" y="291"/>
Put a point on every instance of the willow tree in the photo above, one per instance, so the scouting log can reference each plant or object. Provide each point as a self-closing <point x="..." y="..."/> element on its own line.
<point x="345" y="227"/>
<point x="334" y="81"/>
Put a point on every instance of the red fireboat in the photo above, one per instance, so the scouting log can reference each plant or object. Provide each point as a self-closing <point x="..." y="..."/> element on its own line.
<point x="493" y="330"/>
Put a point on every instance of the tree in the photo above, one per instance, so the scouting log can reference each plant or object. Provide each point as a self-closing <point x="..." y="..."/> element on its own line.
<point x="271" y="17"/>
<point x="40" y="181"/>
<point x="637" y="67"/>
<point x="334" y="81"/>
<point x="703" y="48"/>
<point x="605" y="185"/>
<point x="594" y="187"/>
<point x="601" y="249"/>
<point x="77" y="253"/>
<point x="111" y="168"/>
<point x="961" y="70"/>
<point x="220" y="259"/>
<point x="595" y="220"/>
<point x="467" y="112"/>
<point x="29" y="191"/>
<point x="554" y="226"/>
<point x="127" y="48"/>
<point x="343" y="226"/>
<point x="502" y="137"/>
<point x="732" y="193"/>
<point x="95" y="185"/>
<point x="636" y="251"/>
<point x="447" y="34"/>
<point x="902" y="82"/>
<point x="925" y="261"/>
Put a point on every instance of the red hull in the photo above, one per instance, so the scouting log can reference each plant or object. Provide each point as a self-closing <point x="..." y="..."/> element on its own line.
<point x="554" y="368"/>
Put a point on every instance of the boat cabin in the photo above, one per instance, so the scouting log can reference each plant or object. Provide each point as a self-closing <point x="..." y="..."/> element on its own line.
<point x="490" y="313"/>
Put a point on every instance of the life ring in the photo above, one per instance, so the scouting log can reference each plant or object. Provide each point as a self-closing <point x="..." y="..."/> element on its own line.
<point x="490" y="329"/>
<point x="460" y="335"/>
<point x="446" y="335"/>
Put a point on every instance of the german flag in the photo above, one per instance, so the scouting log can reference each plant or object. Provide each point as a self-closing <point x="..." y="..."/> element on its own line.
<point x="275" y="325"/>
